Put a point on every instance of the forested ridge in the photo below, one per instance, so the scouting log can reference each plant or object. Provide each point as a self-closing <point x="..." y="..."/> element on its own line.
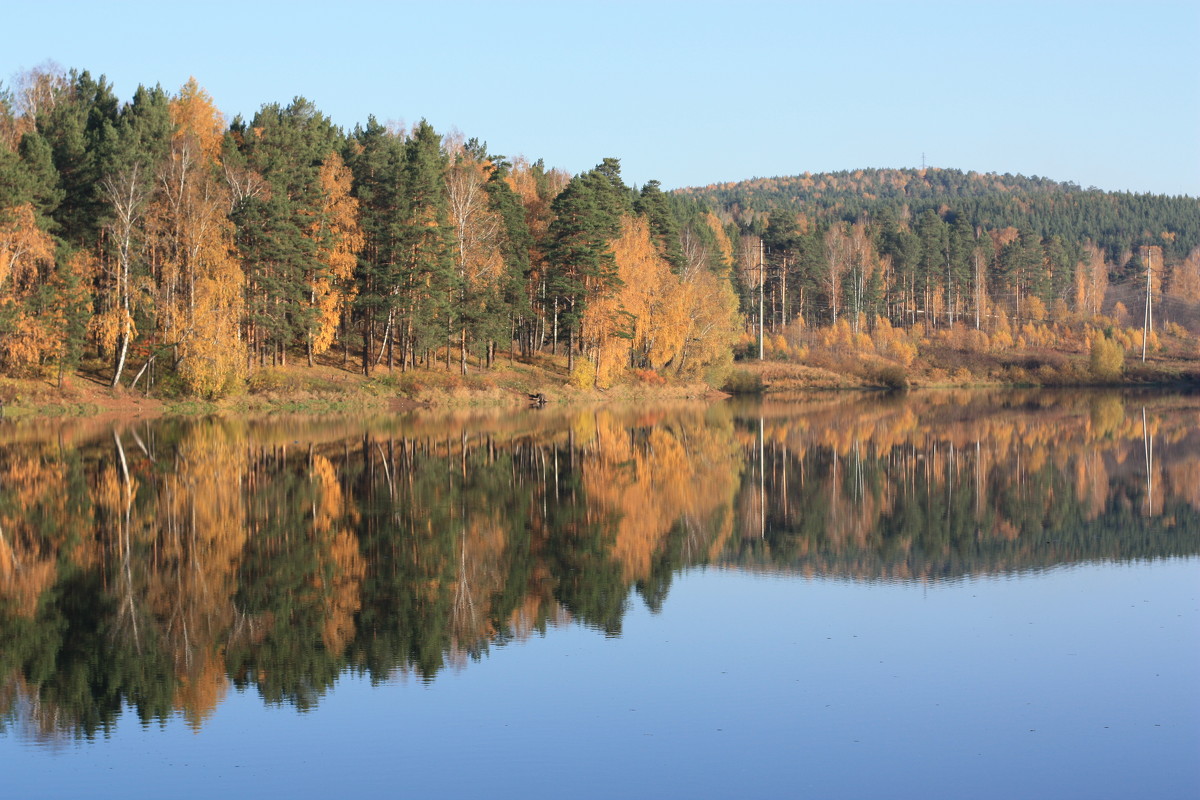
<point x="155" y="245"/>
<point x="1118" y="222"/>
<point x="989" y="273"/>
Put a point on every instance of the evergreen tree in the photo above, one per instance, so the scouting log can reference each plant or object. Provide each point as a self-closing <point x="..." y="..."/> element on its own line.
<point x="81" y="132"/>
<point x="514" y="302"/>
<point x="428" y="279"/>
<point x="657" y="207"/>
<point x="375" y="158"/>
<point x="587" y="217"/>
<point x="277" y="228"/>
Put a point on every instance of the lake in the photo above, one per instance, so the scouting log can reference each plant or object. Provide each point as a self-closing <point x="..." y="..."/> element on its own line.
<point x="941" y="594"/>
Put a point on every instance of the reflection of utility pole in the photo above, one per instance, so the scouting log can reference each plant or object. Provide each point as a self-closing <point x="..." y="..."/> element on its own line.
<point x="1148" y="447"/>
<point x="762" y="482"/>
<point x="762" y="285"/>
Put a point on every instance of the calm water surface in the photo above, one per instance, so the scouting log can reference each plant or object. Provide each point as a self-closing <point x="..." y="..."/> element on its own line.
<point x="949" y="595"/>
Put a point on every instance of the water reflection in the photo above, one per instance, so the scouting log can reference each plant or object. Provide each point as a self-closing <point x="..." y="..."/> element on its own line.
<point x="155" y="565"/>
<point x="959" y="483"/>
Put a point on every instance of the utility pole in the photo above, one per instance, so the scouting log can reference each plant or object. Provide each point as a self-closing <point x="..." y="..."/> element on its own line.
<point x="1148" y="320"/>
<point x="762" y="285"/>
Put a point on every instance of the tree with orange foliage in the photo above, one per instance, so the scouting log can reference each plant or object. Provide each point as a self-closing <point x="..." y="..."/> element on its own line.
<point x="1185" y="278"/>
<point x="198" y="278"/>
<point x="27" y="331"/>
<point x="1091" y="281"/>
<point x="341" y="239"/>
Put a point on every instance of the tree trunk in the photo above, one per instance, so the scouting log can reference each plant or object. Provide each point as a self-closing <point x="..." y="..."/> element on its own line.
<point x="122" y="350"/>
<point x="367" y="335"/>
<point x="570" y="350"/>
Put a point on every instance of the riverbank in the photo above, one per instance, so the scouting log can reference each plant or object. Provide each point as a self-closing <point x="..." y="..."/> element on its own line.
<point x="947" y="368"/>
<point x="328" y="388"/>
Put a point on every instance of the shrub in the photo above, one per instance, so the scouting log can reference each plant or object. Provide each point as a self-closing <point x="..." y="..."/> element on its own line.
<point x="740" y="381"/>
<point x="901" y="350"/>
<point x="649" y="376"/>
<point x="891" y="376"/>
<point x="583" y="374"/>
<point x="1107" y="358"/>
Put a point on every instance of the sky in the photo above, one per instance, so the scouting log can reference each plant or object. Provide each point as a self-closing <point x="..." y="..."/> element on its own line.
<point x="1103" y="94"/>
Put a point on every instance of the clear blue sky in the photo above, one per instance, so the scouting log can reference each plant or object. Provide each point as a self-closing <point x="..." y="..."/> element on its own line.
<point x="691" y="93"/>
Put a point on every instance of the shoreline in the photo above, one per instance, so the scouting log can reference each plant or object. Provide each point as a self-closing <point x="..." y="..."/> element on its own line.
<point x="332" y="390"/>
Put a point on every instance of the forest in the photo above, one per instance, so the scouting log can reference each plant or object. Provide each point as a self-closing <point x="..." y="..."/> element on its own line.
<point x="153" y="245"/>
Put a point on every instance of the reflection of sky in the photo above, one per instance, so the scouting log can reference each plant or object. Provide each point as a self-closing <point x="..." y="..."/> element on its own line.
<point x="1078" y="682"/>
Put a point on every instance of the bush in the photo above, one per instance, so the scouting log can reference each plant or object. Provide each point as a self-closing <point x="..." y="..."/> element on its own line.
<point x="1107" y="358"/>
<point x="740" y="381"/>
<point x="583" y="374"/>
<point x="649" y="376"/>
<point x="891" y="376"/>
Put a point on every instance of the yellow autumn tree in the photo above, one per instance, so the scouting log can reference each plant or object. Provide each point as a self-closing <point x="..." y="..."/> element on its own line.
<point x="658" y="319"/>
<point x="1107" y="358"/>
<point x="1091" y="281"/>
<point x="712" y="324"/>
<point x="1185" y="278"/>
<point x="724" y="246"/>
<point x="341" y="239"/>
<point x="198" y="278"/>
<point x="27" y="333"/>
<point x="650" y="294"/>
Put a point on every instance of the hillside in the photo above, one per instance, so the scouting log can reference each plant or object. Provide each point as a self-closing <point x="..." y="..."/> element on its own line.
<point x="1117" y="222"/>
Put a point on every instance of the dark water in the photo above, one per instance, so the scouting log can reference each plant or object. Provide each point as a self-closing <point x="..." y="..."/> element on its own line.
<point x="944" y="595"/>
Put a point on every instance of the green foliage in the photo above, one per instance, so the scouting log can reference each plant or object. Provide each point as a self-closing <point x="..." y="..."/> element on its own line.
<point x="286" y="147"/>
<point x="1114" y="220"/>
<point x="428" y="280"/>
<point x="587" y="217"/>
<point x="81" y="132"/>
<point x="656" y="206"/>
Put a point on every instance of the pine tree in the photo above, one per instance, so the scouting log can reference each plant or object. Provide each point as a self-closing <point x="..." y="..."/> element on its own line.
<point x="656" y="207"/>
<point x="280" y="231"/>
<point x="514" y="301"/>
<point x="375" y="157"/>
<point x="429" y="281"/>
<point x="587" y="217"/>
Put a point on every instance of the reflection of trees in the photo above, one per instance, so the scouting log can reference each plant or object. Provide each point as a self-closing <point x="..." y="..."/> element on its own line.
<point x="953" y="483"/>
<point x="153" y="566"/>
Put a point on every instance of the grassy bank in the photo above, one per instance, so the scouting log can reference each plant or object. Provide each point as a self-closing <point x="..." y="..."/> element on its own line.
<point x="330" y="388"/>
<point x="327" y="388"/>
<point x="945" y="367"/>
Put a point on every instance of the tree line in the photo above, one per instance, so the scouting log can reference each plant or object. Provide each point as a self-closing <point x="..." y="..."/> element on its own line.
<point x="172" y="247"/>
<point x="929" y="248"/>
<point x="154" y="244"/>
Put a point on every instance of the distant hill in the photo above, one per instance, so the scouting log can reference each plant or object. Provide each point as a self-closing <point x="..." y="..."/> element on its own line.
<point x="1115" y="221"/>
